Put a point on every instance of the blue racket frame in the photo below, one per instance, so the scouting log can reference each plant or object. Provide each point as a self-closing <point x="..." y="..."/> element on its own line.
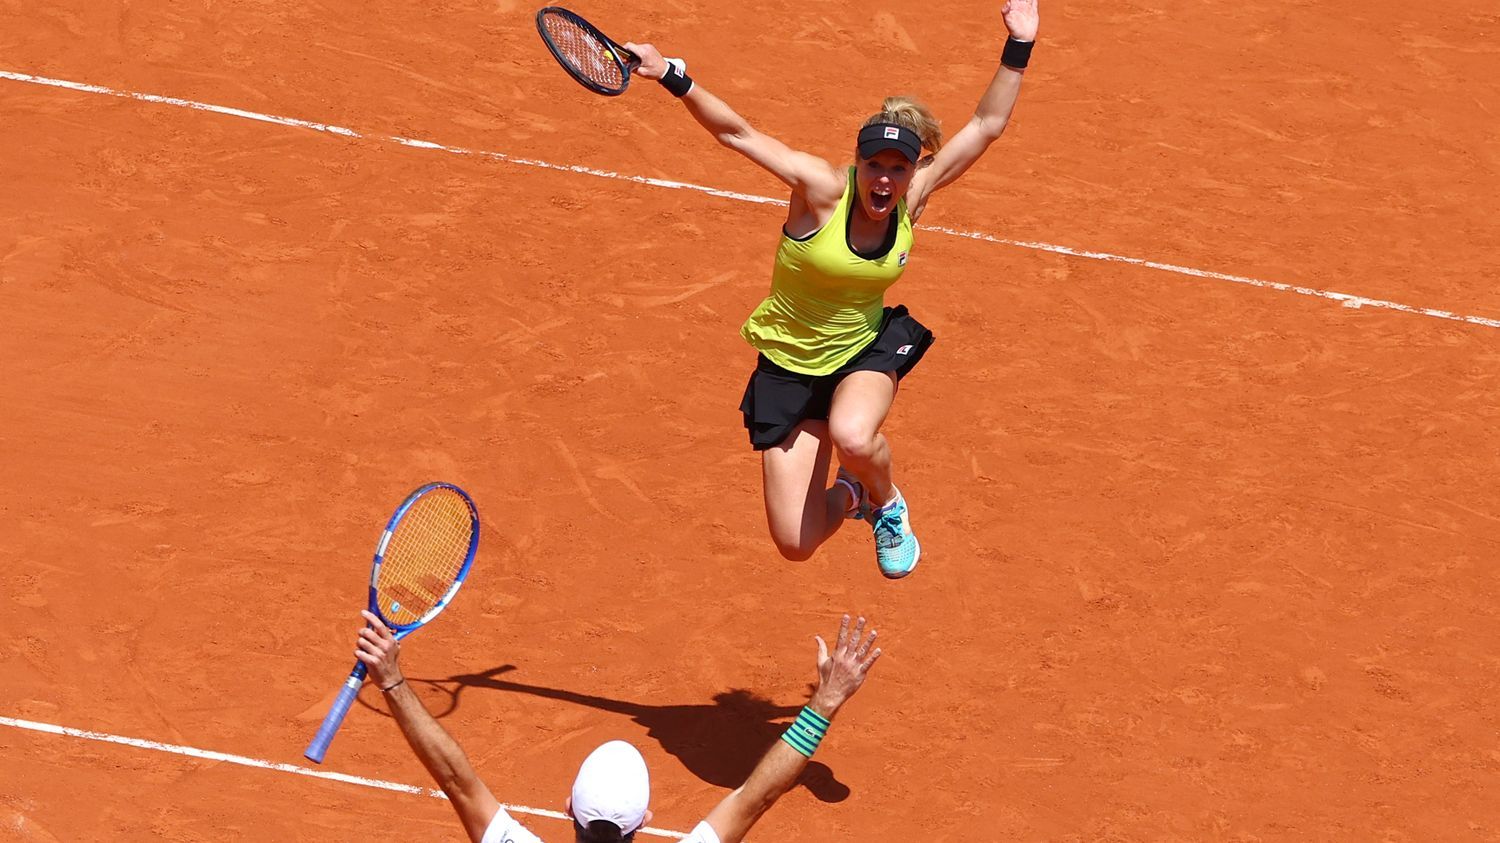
<point x="345" y="700"/>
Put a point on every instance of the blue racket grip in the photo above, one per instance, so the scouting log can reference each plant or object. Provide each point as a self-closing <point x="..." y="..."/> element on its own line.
<point x="335" y="717"/>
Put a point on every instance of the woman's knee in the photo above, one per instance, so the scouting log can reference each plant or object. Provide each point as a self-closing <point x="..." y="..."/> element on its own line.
<point x="793" y="541"/>
<point x="854" y="442"/>
<point x="795" y="551"/>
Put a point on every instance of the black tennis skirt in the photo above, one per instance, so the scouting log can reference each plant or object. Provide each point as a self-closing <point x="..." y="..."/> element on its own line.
<point x="777" y="400"/>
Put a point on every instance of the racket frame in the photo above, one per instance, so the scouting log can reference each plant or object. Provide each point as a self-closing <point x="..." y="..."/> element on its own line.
<point x="625" y="59"/>
<point x="318" y="746"/>
<point x="403" y="630"/>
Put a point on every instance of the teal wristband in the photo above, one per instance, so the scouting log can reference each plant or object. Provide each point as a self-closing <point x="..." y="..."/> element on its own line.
<point x="806" y="732"/>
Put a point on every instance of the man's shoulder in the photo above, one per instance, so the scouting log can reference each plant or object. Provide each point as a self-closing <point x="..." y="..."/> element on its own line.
<point x="503" y="828"/>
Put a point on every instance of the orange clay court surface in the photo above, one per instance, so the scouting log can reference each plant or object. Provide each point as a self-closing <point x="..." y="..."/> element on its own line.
<point x="1204" y="561"/>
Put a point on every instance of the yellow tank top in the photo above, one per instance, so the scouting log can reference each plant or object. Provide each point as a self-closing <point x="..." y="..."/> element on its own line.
<point x="826" y="301"/>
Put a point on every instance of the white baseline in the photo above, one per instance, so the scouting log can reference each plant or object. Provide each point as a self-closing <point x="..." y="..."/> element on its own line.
<point x="210" y="755"/>
<point x="1346" y="299"/>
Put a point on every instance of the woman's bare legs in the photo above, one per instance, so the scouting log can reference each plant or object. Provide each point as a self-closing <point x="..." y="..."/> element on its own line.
<point x="800" y="510"/>
<point x="860" y="405"/>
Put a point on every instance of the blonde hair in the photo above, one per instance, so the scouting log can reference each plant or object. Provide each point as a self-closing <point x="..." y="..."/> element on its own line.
<point x="911" y="113"/>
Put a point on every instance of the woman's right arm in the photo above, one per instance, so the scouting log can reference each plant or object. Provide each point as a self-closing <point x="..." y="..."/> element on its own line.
<point x="808" y="175"/>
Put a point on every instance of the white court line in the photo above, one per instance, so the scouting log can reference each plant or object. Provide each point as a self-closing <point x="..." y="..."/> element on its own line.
<point x="1346" y="299"/>
<point x="344" y="778"/>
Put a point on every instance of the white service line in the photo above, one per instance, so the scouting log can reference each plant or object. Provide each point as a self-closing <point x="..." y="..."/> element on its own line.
<point x="344" y="778"/>
<point x="1346" y="299"/>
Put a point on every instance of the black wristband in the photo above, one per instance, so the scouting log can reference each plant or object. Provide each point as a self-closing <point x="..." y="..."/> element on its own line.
<point x="399" y="683"/>
<point x="676" y="79"/>
<point x="1017" y="53"/>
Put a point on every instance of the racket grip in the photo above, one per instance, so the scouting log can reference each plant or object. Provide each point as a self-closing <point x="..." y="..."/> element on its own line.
<point x="632" y="61"/>
<point x="335" y="717"/>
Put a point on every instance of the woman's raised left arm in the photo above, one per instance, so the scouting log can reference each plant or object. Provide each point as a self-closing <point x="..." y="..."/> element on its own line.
<point x="993" y="113"/>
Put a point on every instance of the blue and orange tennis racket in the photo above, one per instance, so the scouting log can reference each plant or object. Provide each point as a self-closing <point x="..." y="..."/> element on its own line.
<point x="423" y="557"/>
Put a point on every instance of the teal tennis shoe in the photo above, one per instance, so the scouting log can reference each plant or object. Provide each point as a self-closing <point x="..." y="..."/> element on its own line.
<point x="896" y="547"/>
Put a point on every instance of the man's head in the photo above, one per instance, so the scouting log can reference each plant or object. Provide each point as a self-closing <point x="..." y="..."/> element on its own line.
<point x="610" y="795"/>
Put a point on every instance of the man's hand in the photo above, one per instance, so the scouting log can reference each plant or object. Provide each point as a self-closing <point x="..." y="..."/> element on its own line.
<point x="842" y="673"/>
<point x="653" y="66"/>
<point x="379" y="650"/>
<point x="1021" y="19"/>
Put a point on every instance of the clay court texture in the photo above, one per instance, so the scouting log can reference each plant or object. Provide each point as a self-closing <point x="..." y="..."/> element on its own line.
<point x="1209" y="549"/>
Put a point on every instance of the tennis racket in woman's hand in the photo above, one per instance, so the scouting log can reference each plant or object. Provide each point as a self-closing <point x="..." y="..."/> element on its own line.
<point x="423" y="557"/>
<point x="588" y="55"/>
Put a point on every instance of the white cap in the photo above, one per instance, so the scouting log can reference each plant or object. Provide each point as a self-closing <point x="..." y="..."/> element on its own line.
<point x="613" y="784"/>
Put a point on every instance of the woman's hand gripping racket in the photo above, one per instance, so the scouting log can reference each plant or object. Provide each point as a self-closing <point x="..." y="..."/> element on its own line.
<point x="423" y="557"/>
<point x="588" y="55"/>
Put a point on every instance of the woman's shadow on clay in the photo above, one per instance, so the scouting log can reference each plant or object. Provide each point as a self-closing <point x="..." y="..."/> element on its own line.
<point x="719" y="743"/>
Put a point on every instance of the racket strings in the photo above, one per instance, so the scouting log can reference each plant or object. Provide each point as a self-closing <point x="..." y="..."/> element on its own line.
<point x="584" y="52"/>
<point x="424" y="556"/>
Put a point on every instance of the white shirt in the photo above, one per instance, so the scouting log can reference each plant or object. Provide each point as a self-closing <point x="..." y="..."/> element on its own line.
<point x="704" y="833"/>
<point x="504" y="829"/>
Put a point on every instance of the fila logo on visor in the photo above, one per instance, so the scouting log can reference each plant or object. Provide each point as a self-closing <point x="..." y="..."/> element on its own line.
<point x="892" y="132"/>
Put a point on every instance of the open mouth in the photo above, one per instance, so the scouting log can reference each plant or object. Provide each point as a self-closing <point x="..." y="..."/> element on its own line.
<point x="882" y="199"/>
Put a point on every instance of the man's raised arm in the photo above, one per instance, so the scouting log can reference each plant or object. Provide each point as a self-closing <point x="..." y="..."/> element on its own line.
<point x="840" y="674"/>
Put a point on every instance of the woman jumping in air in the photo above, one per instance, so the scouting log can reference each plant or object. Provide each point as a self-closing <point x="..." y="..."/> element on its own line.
<point x="831" y="352"/>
